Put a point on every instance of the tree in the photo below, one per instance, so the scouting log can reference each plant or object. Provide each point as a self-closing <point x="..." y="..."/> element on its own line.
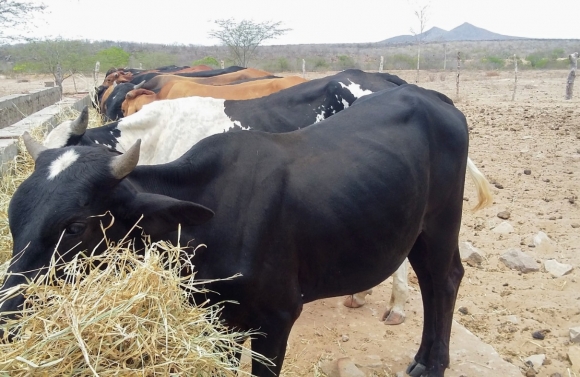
<point x="244" y="37"/>
<point x="421" y="14"/>
<point x="113" y="57"/>
<point x="59" y="57"/>
<point x="14" y="14"/>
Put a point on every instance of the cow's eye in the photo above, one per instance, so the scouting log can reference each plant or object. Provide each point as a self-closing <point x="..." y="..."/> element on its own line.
<point x="75" y="228"/>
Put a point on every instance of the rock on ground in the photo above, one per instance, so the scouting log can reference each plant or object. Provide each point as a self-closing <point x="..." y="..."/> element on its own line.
<point x="543" y="243"/>
<point x="470" y="254"/>
<point x="575" y="334"/>
<point x="503" y="228"/>
<point x="516" y="259"/>
<point x="557" y="269"/>
<point x="536" y="360"/>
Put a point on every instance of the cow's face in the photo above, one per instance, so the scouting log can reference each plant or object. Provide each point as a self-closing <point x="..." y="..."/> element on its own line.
<point x="110" y="79"/>
<point x="71" y="196"/>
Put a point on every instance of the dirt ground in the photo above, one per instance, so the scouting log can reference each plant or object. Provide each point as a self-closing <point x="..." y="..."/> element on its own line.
<point x="539" y="131"/>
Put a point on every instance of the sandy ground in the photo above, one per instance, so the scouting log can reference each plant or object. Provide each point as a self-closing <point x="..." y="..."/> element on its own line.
<point x="539" y="131"/>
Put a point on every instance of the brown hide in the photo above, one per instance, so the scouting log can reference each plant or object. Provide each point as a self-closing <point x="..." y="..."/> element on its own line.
<point x="180" y="89"/>
<point x="156" y="83"/>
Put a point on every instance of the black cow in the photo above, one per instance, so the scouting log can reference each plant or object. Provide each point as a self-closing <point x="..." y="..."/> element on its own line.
<point x="328" y="210"/>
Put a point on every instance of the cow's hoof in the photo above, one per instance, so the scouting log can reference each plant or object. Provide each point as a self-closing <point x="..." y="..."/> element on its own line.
<point x="392" y="317"/>
<point x="353" y="302"/>
<point x="357" y="300"/>
<point x="416" y="369"/>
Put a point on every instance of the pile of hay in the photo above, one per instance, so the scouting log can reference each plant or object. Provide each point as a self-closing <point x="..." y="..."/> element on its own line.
<point x="119" y="314"/>
<point x="131" y="316"/>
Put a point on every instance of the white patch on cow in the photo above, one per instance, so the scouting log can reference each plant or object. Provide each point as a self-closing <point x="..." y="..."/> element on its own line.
<point x="356" y="90"/>
<point x="58" y="137"/>
<point x="237" y="123"/>
<point x="319" y="117"/>
<point x="345" y="103"/>
<point x="169" y="128"/>
<point x="62" y="162"/>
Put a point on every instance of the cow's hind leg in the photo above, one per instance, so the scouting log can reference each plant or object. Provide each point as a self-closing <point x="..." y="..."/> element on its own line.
<point x="395" y="313"/>
<point x="436" y="261"/>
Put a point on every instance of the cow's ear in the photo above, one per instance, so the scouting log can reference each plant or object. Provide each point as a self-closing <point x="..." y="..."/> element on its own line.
<point x="162" y="214"/>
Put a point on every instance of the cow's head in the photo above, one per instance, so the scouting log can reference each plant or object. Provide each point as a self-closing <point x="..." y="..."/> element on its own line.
<point x="115" y="100"/>
<point x="70" y="197"/>
<point x="110" y="79"/>
<point x="68" y="132"/>
<point x="136" y="99"/>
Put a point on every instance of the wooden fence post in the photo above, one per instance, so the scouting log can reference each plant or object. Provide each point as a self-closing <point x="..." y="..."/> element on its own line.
<point x="222" y="64"/>
<point x="381" y="65"/>
<point x="572" y="75"/>
<point x="140" y="65"/>
<point x="457" y="76"/>
<point x="96" y="72"/>
<point x="59" y="78"/>
<point x="516" y="77"/>
<point x="303" y="68"/>
<point x="444" y="56"/>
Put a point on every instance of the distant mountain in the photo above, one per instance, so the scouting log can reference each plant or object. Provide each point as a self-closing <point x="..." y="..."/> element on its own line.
<point x="463" y="32"/>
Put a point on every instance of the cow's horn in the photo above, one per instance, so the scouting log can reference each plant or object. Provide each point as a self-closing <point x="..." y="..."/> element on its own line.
<point x="32" y="146"/>
<point x="79" y="125"/>
<point x="138" y="86"/>
<point x="124" y="164"/>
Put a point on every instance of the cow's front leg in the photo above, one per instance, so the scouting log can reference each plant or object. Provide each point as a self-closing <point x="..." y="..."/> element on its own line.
<point x="276" y="327"/>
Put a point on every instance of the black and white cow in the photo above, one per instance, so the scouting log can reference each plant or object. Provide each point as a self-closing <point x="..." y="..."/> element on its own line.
<point x="168" y="128"/>
<point x="328" y="210"/>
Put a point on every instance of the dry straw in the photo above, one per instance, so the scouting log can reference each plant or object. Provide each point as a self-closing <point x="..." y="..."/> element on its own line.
<point x="121" y="313"/>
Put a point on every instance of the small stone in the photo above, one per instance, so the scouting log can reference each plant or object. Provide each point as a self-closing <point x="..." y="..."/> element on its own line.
<point x="400" y="374"/>
<point x="527" y="172"/>
<point x="557" y="269"/>
<point x="346" y="368"/>
<point x="345" y="338"/>
<point x="498" y="185"/>
<point x="575" y="334"/>
<point x="516" y="259"/>
<point x="512" y="319"/>
<point x="555" y="375"/>
<point x="541" y="334"/>
<point x="543" y="242"/>
<point x="503" y="228"/>
<point x="575" y="225"/>
<point x="536" y="360"/>
<point x="470" y="254"/>
<point x="504" y="215"/>
<point x="463" y="310"/>
<point x="530" y="372"/>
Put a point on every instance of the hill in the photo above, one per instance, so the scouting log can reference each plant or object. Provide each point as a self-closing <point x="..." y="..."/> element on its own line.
<point x="463" y="32"/>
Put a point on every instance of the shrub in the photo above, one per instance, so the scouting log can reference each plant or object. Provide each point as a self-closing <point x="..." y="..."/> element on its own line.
<point x="207" y="60"/>
<point x="345" y="62"/>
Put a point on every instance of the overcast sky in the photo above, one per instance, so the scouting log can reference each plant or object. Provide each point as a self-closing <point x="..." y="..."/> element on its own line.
<point x="311" y="21"/>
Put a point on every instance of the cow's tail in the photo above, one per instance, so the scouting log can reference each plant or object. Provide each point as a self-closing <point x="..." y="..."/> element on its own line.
<point x="481" y="184"/>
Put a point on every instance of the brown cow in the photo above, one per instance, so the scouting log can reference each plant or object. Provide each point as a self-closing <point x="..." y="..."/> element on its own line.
<point x="136" y="99"/>
<point x="117" y="77"/>
<point x="157" y="82"/>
